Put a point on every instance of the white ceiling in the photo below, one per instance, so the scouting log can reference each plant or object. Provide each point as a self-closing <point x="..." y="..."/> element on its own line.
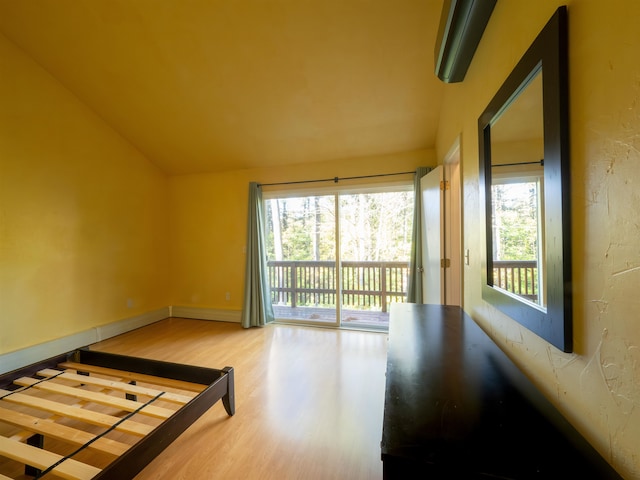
<point x="214" y="85"/>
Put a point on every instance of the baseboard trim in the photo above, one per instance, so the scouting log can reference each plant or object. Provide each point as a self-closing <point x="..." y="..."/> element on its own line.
<point x="214" y="314"/>
<point x="37" y="353"/>
<point x="112" y="329"/>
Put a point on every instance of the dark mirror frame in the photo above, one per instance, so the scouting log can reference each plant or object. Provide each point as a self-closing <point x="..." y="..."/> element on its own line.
<point x="548" y="53"/>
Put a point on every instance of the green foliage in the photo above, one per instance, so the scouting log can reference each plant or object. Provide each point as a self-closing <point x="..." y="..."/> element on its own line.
<point x="373" y="226"/>
<point x="515" y="221"/>
<point x="376" y="226"/>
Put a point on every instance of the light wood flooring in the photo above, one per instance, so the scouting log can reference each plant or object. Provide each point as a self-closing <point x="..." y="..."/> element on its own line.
<point x="309" y="401"/>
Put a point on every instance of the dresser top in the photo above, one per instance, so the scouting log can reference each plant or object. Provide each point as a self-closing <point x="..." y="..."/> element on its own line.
<point x="454" y="400"/>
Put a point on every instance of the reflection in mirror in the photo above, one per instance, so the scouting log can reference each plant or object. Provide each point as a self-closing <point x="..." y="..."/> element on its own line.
<point x="517" y="207"/>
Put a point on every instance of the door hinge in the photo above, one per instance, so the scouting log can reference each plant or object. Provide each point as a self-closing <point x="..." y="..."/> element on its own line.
<point x="444" y="185"/>
<point x="445" y="262"/>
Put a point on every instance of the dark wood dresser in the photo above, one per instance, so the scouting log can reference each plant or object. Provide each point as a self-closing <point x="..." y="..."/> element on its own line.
<point x="457" y="407"/>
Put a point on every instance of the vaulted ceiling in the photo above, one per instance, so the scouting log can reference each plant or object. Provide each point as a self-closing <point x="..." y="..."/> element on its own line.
<point x="215" y="85"/>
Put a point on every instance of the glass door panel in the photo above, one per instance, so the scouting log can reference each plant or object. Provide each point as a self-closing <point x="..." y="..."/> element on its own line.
<point x="301" y="258"/>
<point x="375" y="249"/>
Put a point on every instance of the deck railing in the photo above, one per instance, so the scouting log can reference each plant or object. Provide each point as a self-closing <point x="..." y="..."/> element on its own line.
<point x="519" y="277"/>
<point x="373" y="285"/>
<point x="365" y="285"/>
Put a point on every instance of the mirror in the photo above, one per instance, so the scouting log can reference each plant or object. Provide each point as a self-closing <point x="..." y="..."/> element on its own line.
<point x="524" y="180"/>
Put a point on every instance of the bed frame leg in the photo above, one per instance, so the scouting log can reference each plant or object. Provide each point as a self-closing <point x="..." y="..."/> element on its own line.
<point x="229" y="399"/>
<point x="36" y="440"/>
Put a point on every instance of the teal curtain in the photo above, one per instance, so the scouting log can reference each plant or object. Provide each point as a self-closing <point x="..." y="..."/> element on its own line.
<point x="414" y="290"/>
<point x="257" y="310"/>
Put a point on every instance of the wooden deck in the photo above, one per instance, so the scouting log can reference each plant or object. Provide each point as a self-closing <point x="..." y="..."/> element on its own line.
<point x="350" y="318"/>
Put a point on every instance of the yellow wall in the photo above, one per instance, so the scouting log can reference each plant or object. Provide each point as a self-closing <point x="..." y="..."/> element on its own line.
<point x="208" y="216"/>
<point x="82" y="214"/>
<point x="598" y="386"/>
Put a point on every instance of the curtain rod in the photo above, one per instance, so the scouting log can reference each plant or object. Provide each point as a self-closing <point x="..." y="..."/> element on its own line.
<point x="334" y="179"/>
<point x="539" y="162"/>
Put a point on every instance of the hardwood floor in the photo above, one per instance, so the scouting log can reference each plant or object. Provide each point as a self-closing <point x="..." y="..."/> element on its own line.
<point x="309" y="401"/>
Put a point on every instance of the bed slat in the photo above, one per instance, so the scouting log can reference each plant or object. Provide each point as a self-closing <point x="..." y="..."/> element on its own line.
<point x="42" y="459"/>
<point x="96" y="397"/>
<point x="95" y="418"/>
<point x="139" y="377"/>
<point x="61" y="432"/>
<point x="114" y="385"/>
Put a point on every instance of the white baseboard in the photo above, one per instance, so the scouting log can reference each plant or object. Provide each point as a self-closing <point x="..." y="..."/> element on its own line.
<point x="37" y="353"/>
<point x="218" y="315"/>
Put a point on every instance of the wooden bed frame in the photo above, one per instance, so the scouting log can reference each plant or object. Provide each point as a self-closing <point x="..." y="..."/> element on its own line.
<point x="117" y="411"/>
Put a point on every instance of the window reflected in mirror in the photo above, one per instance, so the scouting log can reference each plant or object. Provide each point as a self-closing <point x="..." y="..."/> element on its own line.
<point x="517" y="195"/>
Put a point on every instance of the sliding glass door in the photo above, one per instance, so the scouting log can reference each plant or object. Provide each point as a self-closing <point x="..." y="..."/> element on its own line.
<point x="339" y="258"/>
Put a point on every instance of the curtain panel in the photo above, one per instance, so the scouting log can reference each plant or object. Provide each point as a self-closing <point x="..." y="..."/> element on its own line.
<point x="414" y="289"/>
<point x="257" y="310"/>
